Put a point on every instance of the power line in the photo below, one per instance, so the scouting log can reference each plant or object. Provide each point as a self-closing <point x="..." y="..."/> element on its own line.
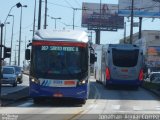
<point x="68" y="3"/>
<point x="27" y="26"/>
<point x="68" y="24"/>
<point x="77" y="3"/>
<point x="59" y="5"/>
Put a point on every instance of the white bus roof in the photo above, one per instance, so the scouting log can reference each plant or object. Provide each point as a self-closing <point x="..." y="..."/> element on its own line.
<point x="61" y="35"/>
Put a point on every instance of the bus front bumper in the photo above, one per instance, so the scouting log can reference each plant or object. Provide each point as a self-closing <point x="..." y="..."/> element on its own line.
<point x="79" y="92"/>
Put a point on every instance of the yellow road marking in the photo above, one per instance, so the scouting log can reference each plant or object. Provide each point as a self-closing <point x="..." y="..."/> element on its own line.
<point x="75" y="115"/>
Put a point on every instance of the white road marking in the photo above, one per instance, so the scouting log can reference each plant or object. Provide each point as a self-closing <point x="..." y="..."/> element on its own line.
<point x="136" y="108"/>
<point x="115" y="107"/>
<point x="92" y="106"/>
<point x="157" y="107"/>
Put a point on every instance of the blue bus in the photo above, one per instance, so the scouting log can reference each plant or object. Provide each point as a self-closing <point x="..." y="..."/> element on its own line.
<point x="59" y="65"/>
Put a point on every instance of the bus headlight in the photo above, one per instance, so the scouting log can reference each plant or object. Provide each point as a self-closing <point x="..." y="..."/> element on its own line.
<point x="34" y="80"/>
<point x="82" y="82"/>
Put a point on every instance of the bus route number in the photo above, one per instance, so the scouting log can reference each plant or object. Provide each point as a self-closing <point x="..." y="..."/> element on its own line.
<point x="44" y="48"/>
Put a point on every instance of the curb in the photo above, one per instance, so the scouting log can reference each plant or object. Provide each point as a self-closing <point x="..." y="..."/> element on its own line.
<point x="156" y="92"/>
<point x="26" y="73"/>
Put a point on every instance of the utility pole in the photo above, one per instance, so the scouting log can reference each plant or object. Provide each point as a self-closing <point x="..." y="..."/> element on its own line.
<point x="19" y="50"/>
<point x="74" y="16"/>
<point x="34" y="19"/>
<point x="45" y="18"/>
<point x="5" y="30"/>
<point x="15" y="57"/>
<point x="39" y="15"/>
<point x="11" y="39"/>
<point x="74" y="9"/>
<point x="131" y="30"/>
<point x="20" y="32"/>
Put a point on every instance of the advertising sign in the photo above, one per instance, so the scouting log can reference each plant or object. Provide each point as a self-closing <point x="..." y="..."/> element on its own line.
<point x="104" y="18"/>
<point x="141" y="8"/>
<point x="153" y="58"/>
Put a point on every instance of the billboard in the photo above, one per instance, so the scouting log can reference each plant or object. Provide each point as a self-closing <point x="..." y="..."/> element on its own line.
<point x="153" y="58"/>
<point x="105" y="19"/>
<point x="142" y="8"/>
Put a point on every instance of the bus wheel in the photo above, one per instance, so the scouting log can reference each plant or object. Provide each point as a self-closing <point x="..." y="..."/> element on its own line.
<point x="37" y="100"/>
<point x="108" y="86"/>
<point x="136" y="87"/>
<point x="83" y="101"/>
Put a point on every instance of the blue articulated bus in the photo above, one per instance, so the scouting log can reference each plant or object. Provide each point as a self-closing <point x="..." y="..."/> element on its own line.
<point x="59" y="65"/>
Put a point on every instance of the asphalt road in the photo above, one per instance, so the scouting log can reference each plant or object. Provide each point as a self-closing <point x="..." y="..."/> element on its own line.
<point x="115" y="101"/>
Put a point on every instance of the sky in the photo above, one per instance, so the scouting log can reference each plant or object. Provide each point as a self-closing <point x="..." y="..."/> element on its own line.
<point x="62" y="9"/>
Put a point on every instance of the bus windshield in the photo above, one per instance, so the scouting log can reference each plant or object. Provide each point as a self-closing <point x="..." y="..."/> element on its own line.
<point x="125" y="58"/>
<point x="59" y="61"/>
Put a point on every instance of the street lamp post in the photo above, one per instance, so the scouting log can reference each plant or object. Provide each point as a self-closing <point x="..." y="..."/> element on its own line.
<point x="11" y="38"/>
<point x="74" y="9"/>
<point x="74" y="16"/>
<point x="34" y="19"/>
<point x="20" y="34"/>
<point x="55" y="21"/>
<point x="39" y="14"/>
<point x="15" y="56"/>
<point x="5" y="27"/>
<point x="45" y="18"/>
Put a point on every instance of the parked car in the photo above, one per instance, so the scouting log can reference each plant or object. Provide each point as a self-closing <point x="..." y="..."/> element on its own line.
<point x="19" y="73"/>
<point x="9" y="76"/>
<point x="154" y="77"/>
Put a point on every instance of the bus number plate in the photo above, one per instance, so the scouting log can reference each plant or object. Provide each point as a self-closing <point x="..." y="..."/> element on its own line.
<point x="64" y="83"/>
<point x="58" y="83"/>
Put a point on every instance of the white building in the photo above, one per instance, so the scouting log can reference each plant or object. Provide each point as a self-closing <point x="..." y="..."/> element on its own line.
<point x="150" y="40"/>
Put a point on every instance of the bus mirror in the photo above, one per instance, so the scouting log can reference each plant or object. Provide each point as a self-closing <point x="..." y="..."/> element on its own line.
<point x="108" y="51"/>
<point x="93" y="58"/>
<point x="29" y="44"/>
<point x="27" y="54"/>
